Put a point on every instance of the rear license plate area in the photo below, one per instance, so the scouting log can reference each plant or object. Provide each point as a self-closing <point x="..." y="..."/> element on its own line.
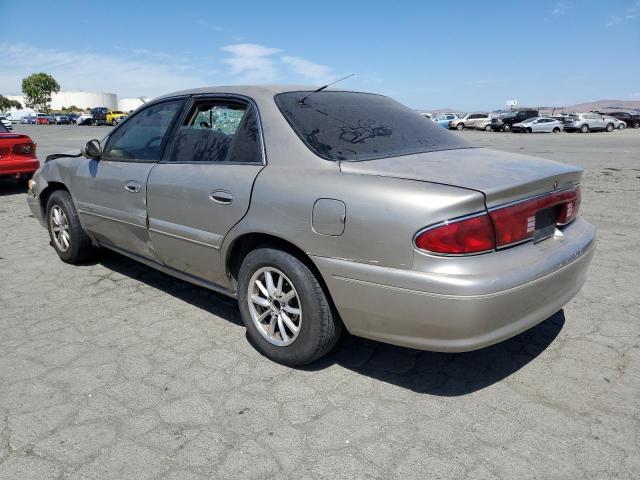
<point x="545" y="224"/>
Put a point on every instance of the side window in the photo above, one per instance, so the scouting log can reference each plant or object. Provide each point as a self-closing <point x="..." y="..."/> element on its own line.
<point x="218" y="131"/>
<point x="140" y="138"/>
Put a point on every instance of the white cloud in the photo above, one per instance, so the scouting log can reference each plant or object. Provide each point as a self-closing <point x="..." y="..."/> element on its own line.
<point x="209" y="26"/>
<point x="137" y="73"/>
<point x="630" y="14"/>
<point x="134" y="72"/>
<point x="560" y="8"/>
<point x="252" y="63"/>
<point x="310" y="71"/>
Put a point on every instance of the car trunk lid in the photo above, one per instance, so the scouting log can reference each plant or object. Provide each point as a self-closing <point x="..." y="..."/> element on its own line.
<point x="502" y="177"/>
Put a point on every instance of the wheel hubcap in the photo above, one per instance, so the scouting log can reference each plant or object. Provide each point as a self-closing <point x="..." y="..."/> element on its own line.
<point x="60" y="228"/>
<point x="274" y="306"/>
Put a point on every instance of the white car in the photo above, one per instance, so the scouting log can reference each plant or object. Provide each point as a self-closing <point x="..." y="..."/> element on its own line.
<point x="538" y="124"/>
<point x="6" y="122"/>
<point x="84" y="119"/>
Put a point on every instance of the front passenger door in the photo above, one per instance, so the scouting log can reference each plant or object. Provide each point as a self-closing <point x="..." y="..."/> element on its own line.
<point x="110" y="193"/>
<point x="202" y="187"/>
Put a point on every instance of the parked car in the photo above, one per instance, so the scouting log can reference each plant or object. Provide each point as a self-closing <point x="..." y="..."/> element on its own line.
<point x="443" y="119"/>
<point x="505" y="122"/>
<point x="60" y="119"/>
<point x="6" y="122"/>
<point x="72" y="117"/>
<point x="42" y="119"/>
<point x="84" y="119"/>
<point x="468" y="121"/>
<point x="632" y="120"/>
<point x="537" y="125"/>
<point x="378" y="221"/>
<point x="28" y="119"/>
<point x="616" y="122"/>
<point x="17" y="155"/>
<point x="486" y="123"/>
<point x="587" y="122"/>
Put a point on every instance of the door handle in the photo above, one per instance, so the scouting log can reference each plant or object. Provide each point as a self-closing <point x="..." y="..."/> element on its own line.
<point x="221" y="197"/>
<point x="132" y="186"/>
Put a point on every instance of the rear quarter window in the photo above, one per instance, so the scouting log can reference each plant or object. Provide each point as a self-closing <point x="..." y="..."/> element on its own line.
<point x="350" y="126"/>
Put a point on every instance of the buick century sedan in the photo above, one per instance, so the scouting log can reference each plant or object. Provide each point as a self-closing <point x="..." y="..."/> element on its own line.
<point x="324" y="210"/>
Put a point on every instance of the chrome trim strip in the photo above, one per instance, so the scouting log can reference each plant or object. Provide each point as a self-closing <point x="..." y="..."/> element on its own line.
<point x="111" y="218"/>
<point x="179" y="237"/>
<point x="505" y="205"/>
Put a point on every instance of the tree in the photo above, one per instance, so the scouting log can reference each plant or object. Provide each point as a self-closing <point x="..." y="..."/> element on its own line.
<point x="6" y="104"/>
<point x="38" y="88"/>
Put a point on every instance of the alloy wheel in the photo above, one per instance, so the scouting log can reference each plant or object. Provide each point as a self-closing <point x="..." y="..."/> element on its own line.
<point x="274" y="306"/>
<point x="60" y="228"/>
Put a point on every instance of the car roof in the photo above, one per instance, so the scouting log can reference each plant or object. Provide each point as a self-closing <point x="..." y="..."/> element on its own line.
<point x="251" y="91"/>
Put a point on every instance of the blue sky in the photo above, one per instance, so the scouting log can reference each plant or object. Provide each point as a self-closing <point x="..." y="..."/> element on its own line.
<point x="463" y="55"/>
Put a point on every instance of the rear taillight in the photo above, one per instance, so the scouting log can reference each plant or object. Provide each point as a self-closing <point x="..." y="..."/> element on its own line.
<point x="24" y="148"/>
<point x="517" y="223"/>
<point x="464" y="236"/>
<point x="500" y="227"/>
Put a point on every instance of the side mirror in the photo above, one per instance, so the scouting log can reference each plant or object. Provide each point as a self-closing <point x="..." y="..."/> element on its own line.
<point x="92" y="149"/>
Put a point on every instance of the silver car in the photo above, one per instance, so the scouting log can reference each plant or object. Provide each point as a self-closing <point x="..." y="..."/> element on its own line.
<point x="468" y="121"/>
<point x="322" y="211"/>
<point x="537" y="125"/>
<point x="587" y="122"/>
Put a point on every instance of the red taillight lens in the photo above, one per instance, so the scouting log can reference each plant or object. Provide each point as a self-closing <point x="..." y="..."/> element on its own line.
<point x="24" y="148"/>
<point x="517" y="223"/>
<point x="471" y="235"/>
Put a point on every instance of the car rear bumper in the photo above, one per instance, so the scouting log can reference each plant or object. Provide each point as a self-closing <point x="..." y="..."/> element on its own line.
<point x="440" y="312"/>
<point x="13" y="166"/>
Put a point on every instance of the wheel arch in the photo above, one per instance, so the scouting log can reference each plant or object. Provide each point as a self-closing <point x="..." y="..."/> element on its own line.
<point x="247" y="242"/>
<point x="48" y="191"/>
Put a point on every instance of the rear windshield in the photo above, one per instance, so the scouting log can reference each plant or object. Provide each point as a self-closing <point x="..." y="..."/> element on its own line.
<point x="349" y="126"/>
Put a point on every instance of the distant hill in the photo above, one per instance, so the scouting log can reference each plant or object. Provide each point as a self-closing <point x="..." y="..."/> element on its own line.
<point x="604" y="105"/>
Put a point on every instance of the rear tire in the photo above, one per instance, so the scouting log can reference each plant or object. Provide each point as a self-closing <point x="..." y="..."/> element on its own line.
<point x="528" y="130"/>
<point x="319" y="329"/>
<point x="487" y="128"/>
<point x="556" y="130"/>
<point x="507" y="127"/>
<point x="584" y="129"/>
<point x="609" y="127"/>
<point x="68" y="238"/>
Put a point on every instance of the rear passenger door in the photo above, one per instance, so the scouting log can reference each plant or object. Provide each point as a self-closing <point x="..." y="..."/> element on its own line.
<point x="202" y="187"/>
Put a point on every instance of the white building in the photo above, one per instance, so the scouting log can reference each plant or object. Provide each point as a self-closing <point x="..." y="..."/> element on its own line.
<point x="128" y="104"/>
<point x="79" y="99"/>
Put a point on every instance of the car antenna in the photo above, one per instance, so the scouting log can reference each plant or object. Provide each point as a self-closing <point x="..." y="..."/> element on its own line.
<point x="301" y="101"/>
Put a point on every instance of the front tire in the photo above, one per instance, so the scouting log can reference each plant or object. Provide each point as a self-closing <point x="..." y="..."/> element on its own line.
<point x="609" y="127"/>
<point x="286" y="311"/>
<point x="487" y="128"/>
<point x="584" y="129"/>
<point x="460" y="126"/>
<point x="68" y="238"/>
<point x="507" y="127"/>
<point x="528" y="130"/>
<point x="622" y="126"/>
<point x="556" y="130"/>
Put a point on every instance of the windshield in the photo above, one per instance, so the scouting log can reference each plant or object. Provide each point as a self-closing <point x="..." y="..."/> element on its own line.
<point x="350" y="126"/>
